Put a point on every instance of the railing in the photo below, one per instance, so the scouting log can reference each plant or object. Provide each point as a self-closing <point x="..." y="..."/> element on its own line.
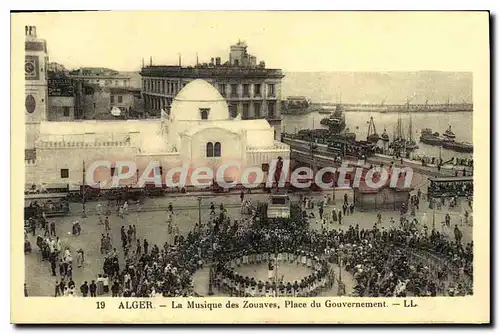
<point x="82" y="144"/>
<point x="219" y="71"/>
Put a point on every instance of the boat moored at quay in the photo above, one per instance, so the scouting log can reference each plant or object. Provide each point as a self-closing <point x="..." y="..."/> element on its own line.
<point x="447" y="141"/>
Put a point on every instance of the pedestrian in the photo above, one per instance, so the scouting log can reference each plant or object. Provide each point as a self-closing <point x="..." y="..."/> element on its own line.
<point x="115" y="289"/>
<point x="47" y="232"/>
<point x="93" y="289"/>
<point x="53" y="265"/>
<point x="80" y="259"/>
<point x="62" y="268"/>
<point x="106" y="224"/>
<point x="53" y="229"/>
<point x="84" y="289"/>
<point x="57" y="290"/>
<point x="125" y="207"/>
<point x="105" y="284"/>
<point x="69" y="270"/>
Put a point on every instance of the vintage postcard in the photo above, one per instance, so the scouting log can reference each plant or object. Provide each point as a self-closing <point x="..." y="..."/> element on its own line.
<point x="250" y="167"/>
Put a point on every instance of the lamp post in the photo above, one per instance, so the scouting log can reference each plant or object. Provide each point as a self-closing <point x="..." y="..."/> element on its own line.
<point x="340" y="290"/>
<point x="84" y="214"/>
<point x="433" y="213"/>
<point x="345" y="143"/>
<point x="199" y="210"/>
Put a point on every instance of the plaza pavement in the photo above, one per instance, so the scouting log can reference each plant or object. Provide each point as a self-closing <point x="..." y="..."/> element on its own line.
<point x="151" y="225"/>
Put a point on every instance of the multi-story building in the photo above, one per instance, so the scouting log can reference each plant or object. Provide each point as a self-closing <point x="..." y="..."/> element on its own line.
<point x="251" y="90"/>
<point x="103" y="77"/>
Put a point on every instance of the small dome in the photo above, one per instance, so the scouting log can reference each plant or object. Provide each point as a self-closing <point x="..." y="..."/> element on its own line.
<point x="196" y="98"/>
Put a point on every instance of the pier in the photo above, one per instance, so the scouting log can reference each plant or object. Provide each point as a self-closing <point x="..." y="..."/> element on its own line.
<point x="301" y="153"/>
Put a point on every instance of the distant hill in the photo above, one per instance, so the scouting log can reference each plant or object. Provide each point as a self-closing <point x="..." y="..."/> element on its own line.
<point x="375" y="87"/>
<point x="372" y="87"/>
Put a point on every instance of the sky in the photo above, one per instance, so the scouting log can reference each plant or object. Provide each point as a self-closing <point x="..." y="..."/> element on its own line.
<point x="293" y="41"/>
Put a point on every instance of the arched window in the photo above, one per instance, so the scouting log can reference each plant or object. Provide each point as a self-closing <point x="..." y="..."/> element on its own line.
<point x="217" y="149"/>
<point x="204" y="113"/>
<point x="210" y="150"/>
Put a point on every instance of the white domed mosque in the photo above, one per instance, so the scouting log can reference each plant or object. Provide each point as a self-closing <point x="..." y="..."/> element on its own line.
<point x="198" y="132"/>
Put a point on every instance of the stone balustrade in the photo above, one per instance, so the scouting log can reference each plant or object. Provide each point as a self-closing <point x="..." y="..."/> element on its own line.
<point x="82" y="144"/>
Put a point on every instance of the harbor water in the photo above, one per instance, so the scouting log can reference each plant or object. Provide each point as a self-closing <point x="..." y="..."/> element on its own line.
<point x="357" y="122"/>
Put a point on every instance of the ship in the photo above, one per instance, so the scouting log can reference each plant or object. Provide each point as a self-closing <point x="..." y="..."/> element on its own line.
<point x="462" y="147"/>
<point x="324" y="135"/>
<point x="385" y="136"/>
<point x="336" y="121"/>
<point x="410" y="144"/>
<point x="324" y="111"/>
<point x="372" y="136"/>
<point x="449" y="134"/>
<point x="434" y="139"/>
<point x="297" y="105"/>
<point x="398" y="139"/>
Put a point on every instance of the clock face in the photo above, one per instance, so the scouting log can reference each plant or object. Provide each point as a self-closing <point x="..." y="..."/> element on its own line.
<point x="29" y="67"/>
<point x="30" y="104"/>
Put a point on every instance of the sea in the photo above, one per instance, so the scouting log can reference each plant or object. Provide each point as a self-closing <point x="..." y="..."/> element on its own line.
<point x="357" y="122"/>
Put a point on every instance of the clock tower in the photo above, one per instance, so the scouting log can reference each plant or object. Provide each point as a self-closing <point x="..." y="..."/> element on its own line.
<point x="36" y="94"/>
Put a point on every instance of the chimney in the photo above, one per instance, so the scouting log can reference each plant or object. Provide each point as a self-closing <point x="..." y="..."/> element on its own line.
<point x="150" y="61"/>
<point x="26" y="29"/>
<point x="212" y="61"/>
<point x="217" y="61"/>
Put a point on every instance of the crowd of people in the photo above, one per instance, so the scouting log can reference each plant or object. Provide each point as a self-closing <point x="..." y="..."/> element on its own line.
<point x="456" y="162"/>
<point x="405" y="260"/>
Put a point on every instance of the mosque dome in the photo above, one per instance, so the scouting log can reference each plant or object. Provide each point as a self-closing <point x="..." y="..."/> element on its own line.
<point x="197" y="100"/>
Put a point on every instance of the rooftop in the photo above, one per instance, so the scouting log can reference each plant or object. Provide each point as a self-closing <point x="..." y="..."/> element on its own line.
<point x="210" y="71"/>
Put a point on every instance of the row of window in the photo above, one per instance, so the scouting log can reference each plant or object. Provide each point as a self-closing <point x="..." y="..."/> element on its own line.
<point x="120" y="99"/>
<point x="257" y="106"/>
<point x="257" y="90"/>
<point x="65" y="172"/>
<point x="161" y="86"/>
<point x="108" y="82"/>
<point x="214" y="150"/>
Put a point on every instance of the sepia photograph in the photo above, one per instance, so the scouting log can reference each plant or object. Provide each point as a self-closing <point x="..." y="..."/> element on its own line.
<point x="186" y="161"/>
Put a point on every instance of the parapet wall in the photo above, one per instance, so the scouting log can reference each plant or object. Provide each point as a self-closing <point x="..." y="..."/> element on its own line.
<point x="82" y="144"/>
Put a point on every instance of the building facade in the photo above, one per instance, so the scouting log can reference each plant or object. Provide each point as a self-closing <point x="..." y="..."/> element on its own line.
<point x="251" y="90"/>
<point x="36" y="93"/>
<point x="103" y="77"/>
<point x="61" y="104"/>
<point x="199" y="131"/>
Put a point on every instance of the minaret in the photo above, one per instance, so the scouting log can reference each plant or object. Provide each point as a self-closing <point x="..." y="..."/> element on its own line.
<point x="36" y="93"/>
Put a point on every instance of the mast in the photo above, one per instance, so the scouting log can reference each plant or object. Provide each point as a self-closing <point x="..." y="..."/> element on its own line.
<point x="411" y="130"/>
